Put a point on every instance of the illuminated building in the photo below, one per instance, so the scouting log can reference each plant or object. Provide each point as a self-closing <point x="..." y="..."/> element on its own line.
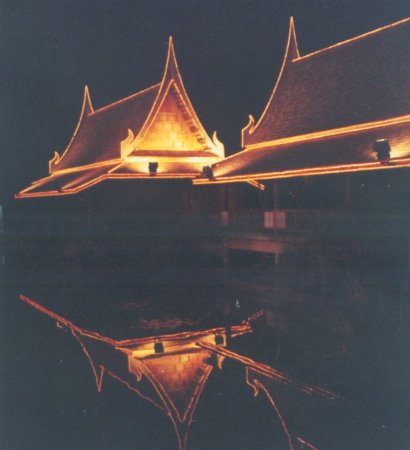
<point x="153" y="133"/>
<point x="329" y="158"/>
<point x="336" y="125"/>
<point x="327" y="110"/>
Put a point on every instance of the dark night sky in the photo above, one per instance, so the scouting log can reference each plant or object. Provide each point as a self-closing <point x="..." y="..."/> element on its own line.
<point x="229" y="53"/>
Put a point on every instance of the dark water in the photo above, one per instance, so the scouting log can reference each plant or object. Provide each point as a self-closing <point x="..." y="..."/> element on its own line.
<point x="50" y="400"/>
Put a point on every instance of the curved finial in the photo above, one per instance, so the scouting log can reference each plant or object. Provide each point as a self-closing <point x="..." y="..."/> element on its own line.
<point x="171" y="66"/>
<point x="218" y="144"/>
<point x="250" y="124"/>
<point x="292" y="50"/>
<point x="247" y="130"/>
<point x="87" y="105"/>
<point x="127" y="144"/>
<point x="53" y="161"/>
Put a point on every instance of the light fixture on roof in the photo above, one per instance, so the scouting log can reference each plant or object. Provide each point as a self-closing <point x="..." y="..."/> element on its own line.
<point x="158" y="347"/>
<point x="208" y="172"/>
<point x="382" y="149"/>
<point x="153" y="168"/>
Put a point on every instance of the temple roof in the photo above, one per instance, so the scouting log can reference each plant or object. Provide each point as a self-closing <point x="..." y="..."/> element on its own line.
<point x="360" y="80"/>
<point x="345" y="153"/>
<point x="327" y="110"/>
<point x="100" y="132"/>
<point x="156" y="125"/>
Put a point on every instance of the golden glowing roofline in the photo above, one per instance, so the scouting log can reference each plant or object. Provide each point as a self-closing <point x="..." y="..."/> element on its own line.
<point x="86" y="109"/>
<point x="173" y="159"/>
<point x="356" y="38"/>
<point x="325" y="170"/>
<point x="156" y="109"/>
<point x="125" y="99"/>
<point x="212" y="148"/>
<point x="107" y="176"/>
<point x="172" y="77"/>
<point x="139" y="367"/>
<point x="292" y="49"/>
<point x="351" y="129"/>
<point x="237" y="330"/>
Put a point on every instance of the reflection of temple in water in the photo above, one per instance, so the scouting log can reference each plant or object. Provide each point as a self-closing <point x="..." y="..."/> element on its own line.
<point x="175" y="368"/>
<point x="309" y="221"/>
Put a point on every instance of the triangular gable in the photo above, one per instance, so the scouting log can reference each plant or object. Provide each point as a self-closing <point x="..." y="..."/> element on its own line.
<point x="172" y="123"/>
<point x="180" y="378"/>
<point x="173" y="127"/>
<point x="157" y="126"/>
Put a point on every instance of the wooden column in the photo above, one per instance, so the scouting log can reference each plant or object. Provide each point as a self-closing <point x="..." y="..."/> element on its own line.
<point x="275" y="195"/>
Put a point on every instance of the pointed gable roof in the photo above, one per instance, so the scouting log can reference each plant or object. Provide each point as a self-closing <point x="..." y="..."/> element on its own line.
<point x="99" y="133"/>
<point x="327" y="110"/>
<point x="360" y="80"/>
<point x="118" y="140"/>
<point x="172" y="88"/>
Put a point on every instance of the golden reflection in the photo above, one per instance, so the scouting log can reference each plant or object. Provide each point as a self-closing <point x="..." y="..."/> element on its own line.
<point x="175" y="365"/>
<point x="170" y="370"/>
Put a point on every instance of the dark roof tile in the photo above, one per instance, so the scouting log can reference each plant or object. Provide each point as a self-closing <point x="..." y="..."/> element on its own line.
<point x="101" y="132"/>
<point x="362" y="80"/>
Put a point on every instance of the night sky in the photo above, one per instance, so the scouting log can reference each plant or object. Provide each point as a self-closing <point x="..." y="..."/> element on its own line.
<point x="229" y="53"/>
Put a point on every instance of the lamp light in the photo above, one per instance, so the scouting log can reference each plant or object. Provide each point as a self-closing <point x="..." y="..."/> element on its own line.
<point x="153" y="168"/>
<point x="208" y="172"/>
<point x="382" y="149"/>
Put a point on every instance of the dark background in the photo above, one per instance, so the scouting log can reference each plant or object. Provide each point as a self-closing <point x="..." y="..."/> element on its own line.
<point x="229" y="52"/>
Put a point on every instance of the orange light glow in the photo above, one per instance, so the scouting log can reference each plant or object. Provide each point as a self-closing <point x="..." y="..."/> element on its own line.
<point x="170" y="125"/>
<point x="257" y="185"/>
<point x="291" y="52"/>
<point x="178" y="375"/>
<point x="172" y="78"/>
<point x="256" y="385"/>
<point x="344" y="168"/>
<point x="168" y="129"/>
<point x="306" y="444"/>
<point x="292" y="56"/>
<point x="268" y="371"/>
<point x="179" y="371"/>
<point x="356" y="38"/>
<point x="86" y="109"/>
<point x="342" y="131"/>
<point x="125" y="99"/>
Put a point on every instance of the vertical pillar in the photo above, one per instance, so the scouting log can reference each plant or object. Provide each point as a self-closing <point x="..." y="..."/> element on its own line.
<point x="275" y="195"/>
<point x="275" y="204"/>
<point x="276" y="268"/>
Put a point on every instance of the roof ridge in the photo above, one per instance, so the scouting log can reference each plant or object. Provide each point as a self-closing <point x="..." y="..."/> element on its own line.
<point x="125" y="99"/>
<point x="290" y="51"/>
<point x="353" y="39"/>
